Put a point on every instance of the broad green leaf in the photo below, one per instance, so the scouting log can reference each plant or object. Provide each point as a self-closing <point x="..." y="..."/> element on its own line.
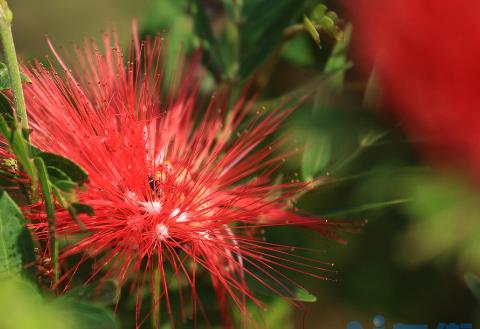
<point x="5" y="82"/>
<point x="473" y="282"/>
<point x="105" y="293"/>
<point x="16" y="246"/>
<point x="72" y="169"/>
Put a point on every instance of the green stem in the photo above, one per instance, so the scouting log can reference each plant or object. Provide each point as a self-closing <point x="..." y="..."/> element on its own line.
<point x="50" y="207"/>
<point x="156" y="300"/>
<point x="12" y="63"/>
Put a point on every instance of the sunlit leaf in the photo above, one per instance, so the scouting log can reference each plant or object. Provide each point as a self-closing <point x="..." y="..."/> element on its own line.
<point x="16" y="246"/>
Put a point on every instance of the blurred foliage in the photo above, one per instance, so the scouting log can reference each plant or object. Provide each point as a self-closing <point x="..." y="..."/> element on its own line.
<point x="22" y="307"/>
<point x="445" y="228"/>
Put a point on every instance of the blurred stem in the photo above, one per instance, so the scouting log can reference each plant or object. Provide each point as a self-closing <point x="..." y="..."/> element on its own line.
<point x="156" y="300"/>
<point x="6" y="36"/>
<point x="363" y="208"/>
<point x="264" y="72"/>
<point x="292" y="31"/>
<point x="20" y="119"/>
<point x="346" y="161"/>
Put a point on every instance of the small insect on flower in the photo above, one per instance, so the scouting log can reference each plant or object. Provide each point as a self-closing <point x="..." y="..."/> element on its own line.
<point x="179" y="190"/>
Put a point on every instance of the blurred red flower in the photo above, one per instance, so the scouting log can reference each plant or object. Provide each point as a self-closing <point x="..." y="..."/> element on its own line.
<point x="426" y="53"/>
<point x="176" y="190"/>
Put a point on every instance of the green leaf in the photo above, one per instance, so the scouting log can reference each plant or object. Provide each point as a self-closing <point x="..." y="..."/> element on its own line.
<point x="5" y="82"/>
<point x="262" y="30"/>
<point x="317" y="155"/>
<point x="319" y="12"/>
<point x="56" y="174"/>
<point x="74" y="171"/>
<point x="65" y="185"/>
<point x="19" y="146"/>
<point x="6" y="109"/>
<point x="161" y="15"/>
<point x="327" y="21"/>
<point x="312" y="30"/>
<point x="81" y="208"/>
<point x="85" y="315"/>
<point x="338" y="62"/>
<point x="371" y="136"/>
<point x="271" y="285"/>
<point x="260" y="16"/>
<point x="203" y="30"/>
<point x="105" y="293"/>
<point x="473" y="282"/>
<point x="16" y="246"/>
<point x="298" y="50"/>
<point x="231" y="8"/>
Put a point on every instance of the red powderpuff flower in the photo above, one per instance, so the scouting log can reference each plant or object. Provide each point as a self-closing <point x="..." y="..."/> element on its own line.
<point x="426" y="53"/>
<point x="176" y="191"/>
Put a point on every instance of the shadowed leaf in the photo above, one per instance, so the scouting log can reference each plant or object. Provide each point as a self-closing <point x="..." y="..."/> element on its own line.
<point x="70" y="168"/>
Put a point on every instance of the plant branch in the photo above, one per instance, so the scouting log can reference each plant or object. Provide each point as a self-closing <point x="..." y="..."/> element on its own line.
<point x="12" y="63"/>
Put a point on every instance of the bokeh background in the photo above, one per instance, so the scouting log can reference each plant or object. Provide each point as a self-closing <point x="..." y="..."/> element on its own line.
<point x="422" y="236"/>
